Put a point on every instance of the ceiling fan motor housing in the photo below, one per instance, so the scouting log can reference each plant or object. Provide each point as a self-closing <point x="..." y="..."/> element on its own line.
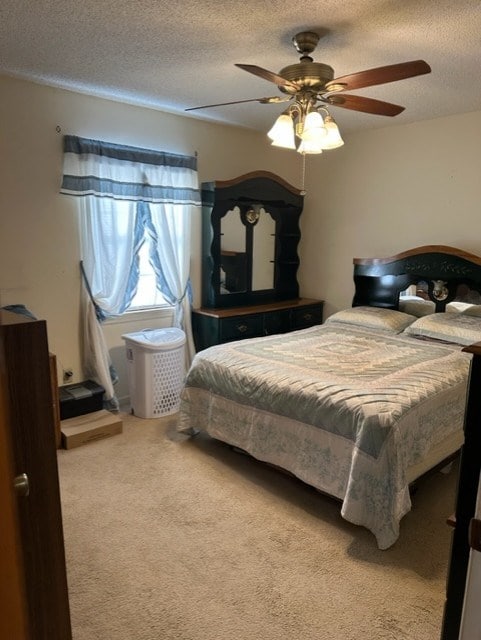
<point x="312" y="75"/>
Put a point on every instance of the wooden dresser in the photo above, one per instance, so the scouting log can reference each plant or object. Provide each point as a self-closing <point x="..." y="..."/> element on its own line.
<point x="250" y="238"/>
<point x="216" y="326"/>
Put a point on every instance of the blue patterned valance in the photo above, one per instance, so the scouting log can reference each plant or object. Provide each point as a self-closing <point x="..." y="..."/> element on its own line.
<point x="107" y="170"/>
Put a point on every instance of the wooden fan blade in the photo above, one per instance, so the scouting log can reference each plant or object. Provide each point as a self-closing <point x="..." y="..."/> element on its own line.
<point x="379" y="75"/>
<point x="360" y="103"/>
<point x="272" y="100"/>
<point x="269" y="75"/>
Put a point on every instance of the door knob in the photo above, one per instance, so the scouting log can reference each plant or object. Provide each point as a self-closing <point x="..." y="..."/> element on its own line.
<point x="21" y="485"/>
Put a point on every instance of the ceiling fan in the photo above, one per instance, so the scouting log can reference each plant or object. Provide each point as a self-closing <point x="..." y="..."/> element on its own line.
<point x="310" y="85"/>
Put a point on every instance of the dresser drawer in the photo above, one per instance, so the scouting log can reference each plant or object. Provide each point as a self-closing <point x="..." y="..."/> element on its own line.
<point x="306" y="316"/>
<point x="278" y="322"/>
<point x="240" y="327"/>
<point x="215" y="326"/>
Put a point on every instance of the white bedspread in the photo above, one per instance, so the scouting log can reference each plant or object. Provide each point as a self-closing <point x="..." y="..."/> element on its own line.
<point x="345" y="409"/>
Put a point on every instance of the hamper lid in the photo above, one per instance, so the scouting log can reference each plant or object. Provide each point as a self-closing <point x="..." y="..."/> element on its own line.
<point x="167" y="338"/>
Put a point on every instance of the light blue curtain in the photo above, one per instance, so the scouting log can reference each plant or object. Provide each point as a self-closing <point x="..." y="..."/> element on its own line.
<point x="127" y="192"/>
<point x="111" y="234"/>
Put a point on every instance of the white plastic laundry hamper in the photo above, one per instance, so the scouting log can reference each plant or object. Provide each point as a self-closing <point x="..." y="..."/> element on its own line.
<point x="156" y="370"/>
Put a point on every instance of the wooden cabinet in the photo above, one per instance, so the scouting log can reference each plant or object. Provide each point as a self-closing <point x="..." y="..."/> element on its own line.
<point x="29" y="420"/>
<point x="216" y="326"/>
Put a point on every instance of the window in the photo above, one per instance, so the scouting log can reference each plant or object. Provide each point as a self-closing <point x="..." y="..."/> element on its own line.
<point x="147" y="296"/>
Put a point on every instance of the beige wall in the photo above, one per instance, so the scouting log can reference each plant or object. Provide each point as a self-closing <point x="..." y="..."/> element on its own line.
<point x="385" y="191"/>
<point x="39" y="247"/>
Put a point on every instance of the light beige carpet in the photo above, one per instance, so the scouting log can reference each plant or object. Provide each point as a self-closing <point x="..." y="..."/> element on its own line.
<point x="186" y="539"/>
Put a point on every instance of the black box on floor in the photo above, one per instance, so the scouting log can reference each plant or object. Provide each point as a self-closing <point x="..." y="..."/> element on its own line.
<point x="80" y="398"/>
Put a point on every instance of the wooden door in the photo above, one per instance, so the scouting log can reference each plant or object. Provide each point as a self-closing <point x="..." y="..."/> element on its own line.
<point x="13" y="611"/>
<point x="32" y="434"/>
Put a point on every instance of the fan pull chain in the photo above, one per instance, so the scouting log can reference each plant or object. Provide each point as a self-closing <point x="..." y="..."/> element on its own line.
<point x="303" y="175"/>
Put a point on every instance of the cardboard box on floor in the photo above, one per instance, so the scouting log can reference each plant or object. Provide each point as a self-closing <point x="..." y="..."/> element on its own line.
<point x="89" y="427"/>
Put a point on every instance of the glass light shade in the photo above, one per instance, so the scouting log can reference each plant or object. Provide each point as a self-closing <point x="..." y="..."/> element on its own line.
<point x="282" y="132"/>
<point x="333" y="138"/>
<point x="314" y="129"/>
<point x="309" y="146"/>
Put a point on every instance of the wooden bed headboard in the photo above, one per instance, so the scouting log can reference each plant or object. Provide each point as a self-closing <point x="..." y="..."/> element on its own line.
<point x="447" y="274"/>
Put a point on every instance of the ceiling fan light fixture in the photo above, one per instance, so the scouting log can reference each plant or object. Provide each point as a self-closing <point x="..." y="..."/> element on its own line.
<point x="333" y="139"/>
<point x="313" y="129"/>
<point x="310" y="147"/>
<point x="282" y="132"/>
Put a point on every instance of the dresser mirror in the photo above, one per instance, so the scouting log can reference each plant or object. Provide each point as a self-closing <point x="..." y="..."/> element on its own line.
<point x="247" y="235"/>
<point x="250" y="233"/>
<point x="263" y="251"/>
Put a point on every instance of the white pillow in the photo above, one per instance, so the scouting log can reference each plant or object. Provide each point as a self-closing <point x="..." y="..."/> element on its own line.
<point x="458" y="328"/>
<point x="473" y="310"/>
<point x="416" y="306"/>
<point x="459" y="307"/>
<point x="373" y="318"/>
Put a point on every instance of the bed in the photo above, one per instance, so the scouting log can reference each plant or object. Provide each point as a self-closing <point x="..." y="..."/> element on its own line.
<point x="363" y="405"/>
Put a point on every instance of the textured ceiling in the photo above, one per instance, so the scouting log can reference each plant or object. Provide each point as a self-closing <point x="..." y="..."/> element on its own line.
<point x="174" y="55"/>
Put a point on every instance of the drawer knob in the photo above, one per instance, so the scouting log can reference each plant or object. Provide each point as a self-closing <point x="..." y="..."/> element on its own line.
<point x="242" y="328"/>
<point x="307" y="316"/>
